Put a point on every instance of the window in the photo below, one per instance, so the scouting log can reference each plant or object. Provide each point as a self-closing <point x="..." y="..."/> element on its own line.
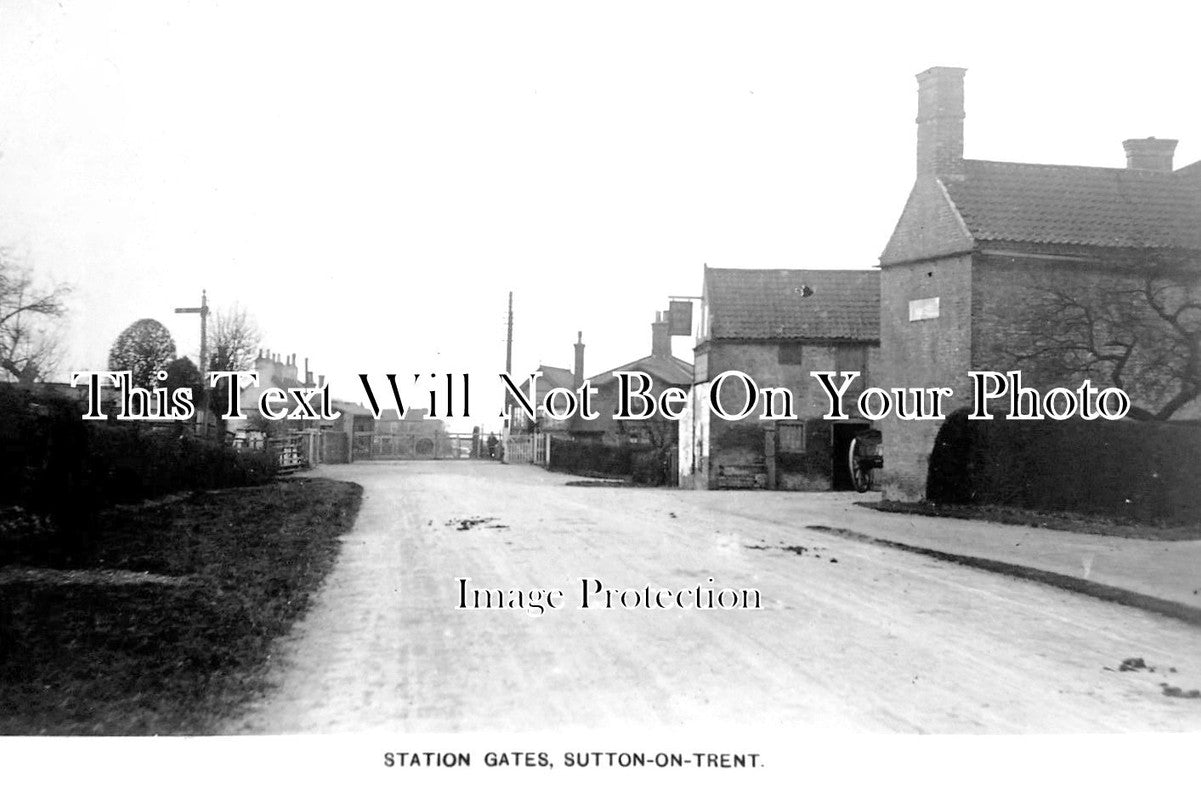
<point x="926" y="308"/>
<point x="792" y="437"/>
<point x="791" y="352"/>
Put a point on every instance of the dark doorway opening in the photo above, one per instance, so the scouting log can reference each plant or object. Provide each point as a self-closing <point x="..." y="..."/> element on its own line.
<point x="841" y="434"/>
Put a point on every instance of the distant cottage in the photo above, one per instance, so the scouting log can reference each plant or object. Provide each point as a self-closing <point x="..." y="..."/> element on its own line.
<point x="551" y="378"/>
<point x="272" y="374"/>
<point x="664" y="370"/>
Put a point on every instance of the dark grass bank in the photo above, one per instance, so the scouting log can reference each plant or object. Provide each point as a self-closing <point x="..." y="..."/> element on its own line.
<point x="168" y="626"/>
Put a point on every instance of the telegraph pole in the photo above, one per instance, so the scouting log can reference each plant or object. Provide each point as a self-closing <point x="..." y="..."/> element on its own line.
<point x="509" y="351"/>
<point x="509" y="338"/>
<point x="203" y="311"/>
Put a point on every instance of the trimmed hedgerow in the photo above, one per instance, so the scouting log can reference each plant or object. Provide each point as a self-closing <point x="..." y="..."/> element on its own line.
<point x="1142" y="471"/>
<point x="57" y="471"/>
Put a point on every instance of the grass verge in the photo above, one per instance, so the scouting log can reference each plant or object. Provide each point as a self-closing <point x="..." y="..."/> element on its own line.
<point x="1055" y="520"/>
<point x="229" y="571"/>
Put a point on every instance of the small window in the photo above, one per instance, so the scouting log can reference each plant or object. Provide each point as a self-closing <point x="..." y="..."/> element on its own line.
<point x="792" y="437"/>
<point x="791" y="352"/>
<point x="926" y="308"/>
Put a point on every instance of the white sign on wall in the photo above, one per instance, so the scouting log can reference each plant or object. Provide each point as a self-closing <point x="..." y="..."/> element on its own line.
<point x="926" y="308"/>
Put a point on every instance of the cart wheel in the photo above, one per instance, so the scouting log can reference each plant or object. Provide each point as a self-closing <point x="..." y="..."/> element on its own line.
<point x="861" y="476"/>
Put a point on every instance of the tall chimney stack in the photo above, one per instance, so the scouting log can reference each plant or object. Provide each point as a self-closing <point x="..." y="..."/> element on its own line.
<point x="1153" y="154"/>
<point x="289" y="370"/>
<point x="660" y="335"/>
<point x="578" y="373"/>
<point x="940" y="121"/>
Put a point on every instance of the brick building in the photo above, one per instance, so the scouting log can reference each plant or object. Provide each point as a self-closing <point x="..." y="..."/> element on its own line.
<point x="1059" y="271"/>
<point x="551" y="378"/>
<point x="273" y="374"/>
<point x="664" y="370"/>
<point x="777" y="326"/>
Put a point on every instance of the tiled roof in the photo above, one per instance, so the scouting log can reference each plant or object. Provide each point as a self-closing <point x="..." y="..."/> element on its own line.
<point x="557" y="376"/>
<point x="772" y="304"/>
<point x="1191" y="172"/>
<point x="665" y="370"/>
<point x="350" y="409"/>
<point x="551" y="378"/>
<point x="411" y="415"/>
<point x="1068" y="205"/>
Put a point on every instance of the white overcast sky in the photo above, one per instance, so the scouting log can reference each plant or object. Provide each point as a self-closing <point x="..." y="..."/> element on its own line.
<point x="371" y="179"/>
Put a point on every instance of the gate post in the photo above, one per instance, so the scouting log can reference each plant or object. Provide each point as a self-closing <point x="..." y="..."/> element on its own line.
<point x="769" y="454"/>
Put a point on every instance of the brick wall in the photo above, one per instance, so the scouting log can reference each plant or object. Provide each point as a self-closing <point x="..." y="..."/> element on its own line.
<point x="650" y="431"/>
<point x="1016" y="298"/>
<point x="693" y="448"/>
<point x="928" y="226"/>
<point x="741" y="445"/>
<point x="927" y="353"/>
<point x="989" y="304"/>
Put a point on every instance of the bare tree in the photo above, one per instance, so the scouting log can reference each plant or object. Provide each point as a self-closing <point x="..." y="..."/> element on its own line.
<point x="234" y="339"/>
<point x="29" y="323"/>
<point x="233" y="342"/>
<point x="1138" y="330"/>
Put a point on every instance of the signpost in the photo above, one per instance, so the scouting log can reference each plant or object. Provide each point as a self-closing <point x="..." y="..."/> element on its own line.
<point x="203" y="311"/>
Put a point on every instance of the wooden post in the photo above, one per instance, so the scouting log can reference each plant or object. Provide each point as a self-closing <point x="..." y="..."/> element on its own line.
<point x="203" y="311"/>
<point x="769" y="454"/>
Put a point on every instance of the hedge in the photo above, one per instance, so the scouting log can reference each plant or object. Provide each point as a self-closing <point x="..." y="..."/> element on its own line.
<point x="594" y="458"/>
<point x="57" y="467"/>
<point x="1143" y="471"/>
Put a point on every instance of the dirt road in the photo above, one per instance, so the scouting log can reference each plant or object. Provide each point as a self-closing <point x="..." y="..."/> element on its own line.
<point x="850" y="636"/>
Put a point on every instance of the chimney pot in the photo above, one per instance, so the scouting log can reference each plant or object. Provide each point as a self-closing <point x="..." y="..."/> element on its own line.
<point x="1150" y="154"/>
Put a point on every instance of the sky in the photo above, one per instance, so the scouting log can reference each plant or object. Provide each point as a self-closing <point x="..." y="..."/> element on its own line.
<point x="370" y="180"/>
